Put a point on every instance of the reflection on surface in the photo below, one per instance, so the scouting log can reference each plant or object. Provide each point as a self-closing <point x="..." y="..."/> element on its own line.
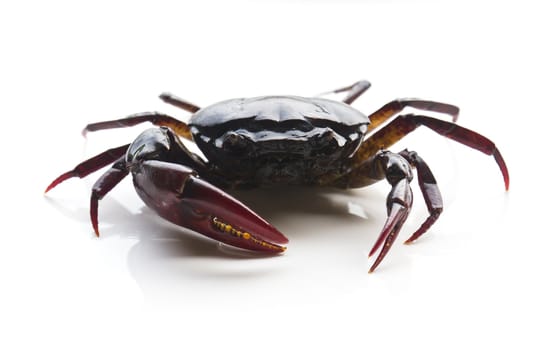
<point x="328" y="229"/>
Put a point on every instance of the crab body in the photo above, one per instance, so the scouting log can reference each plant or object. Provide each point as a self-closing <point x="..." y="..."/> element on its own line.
<point x="274" y="140"/>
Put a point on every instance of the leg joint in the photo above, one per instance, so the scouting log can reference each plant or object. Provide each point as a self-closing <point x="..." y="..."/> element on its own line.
<point x="395" y="166"/>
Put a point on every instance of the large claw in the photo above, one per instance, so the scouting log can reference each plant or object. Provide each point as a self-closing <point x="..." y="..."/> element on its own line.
<point x="176" y="193"/>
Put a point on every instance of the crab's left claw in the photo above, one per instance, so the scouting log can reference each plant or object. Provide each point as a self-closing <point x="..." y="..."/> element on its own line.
<point x="177" y="194"/>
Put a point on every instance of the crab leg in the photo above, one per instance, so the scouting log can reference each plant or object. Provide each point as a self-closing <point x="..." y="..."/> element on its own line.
<point x="405" y="124"/>
<point x="430" y="193"/>
<point x="178" y="102"/>
<point x="354" y="91"/>
<point x="396" y="106"/>
<point x="154" y="118"/>
<point x="398" y="173"/>
<point x="91" y="165"/>
<point x="368" y="166"/>
<point x="103" y="185"/>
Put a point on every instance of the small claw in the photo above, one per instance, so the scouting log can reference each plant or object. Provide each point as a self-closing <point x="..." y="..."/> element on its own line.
<point x="178" y="195"/>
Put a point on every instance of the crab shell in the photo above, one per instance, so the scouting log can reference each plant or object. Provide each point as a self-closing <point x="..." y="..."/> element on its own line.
<point x="277" y="139"/>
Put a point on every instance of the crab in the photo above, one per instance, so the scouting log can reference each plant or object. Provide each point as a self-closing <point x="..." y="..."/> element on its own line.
<point x="274" y="140"/>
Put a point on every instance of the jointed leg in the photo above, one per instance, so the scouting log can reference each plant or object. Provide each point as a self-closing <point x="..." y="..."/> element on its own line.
<point x="396" y="106"/>
<point x="371" y="163"/>
<point x="179" y="102"/>
<point x="430" y="192"/>
<point x="105" y="184"/>
<point x="398" y="173"/>
<point x="162" y="139"/>
<point x="396" y="168"/>
<point x="354" y="91"/>
<point x="154" y="118"/>
<point x="91" y="165"/>
<point x="405" y="124"/>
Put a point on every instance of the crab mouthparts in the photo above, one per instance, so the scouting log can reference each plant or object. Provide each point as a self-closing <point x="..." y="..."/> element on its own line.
<point x="250" y="239"/>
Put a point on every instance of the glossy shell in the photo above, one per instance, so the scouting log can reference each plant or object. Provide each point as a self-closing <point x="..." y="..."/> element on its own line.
<point x="277" y="139"/>
<point x="278" y="109"/>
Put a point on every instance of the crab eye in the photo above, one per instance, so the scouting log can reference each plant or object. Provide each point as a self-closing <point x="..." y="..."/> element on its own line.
<point x="234" y="142"/>
<point x="329" y="142"/>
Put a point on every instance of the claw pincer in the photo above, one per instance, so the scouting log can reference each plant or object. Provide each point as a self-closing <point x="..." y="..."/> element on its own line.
<point x="177" y="194"/>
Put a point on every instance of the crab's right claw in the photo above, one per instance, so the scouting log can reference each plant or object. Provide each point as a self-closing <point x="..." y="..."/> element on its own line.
<point x="177" y="194"/>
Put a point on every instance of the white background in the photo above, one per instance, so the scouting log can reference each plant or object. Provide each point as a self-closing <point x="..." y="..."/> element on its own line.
<point x="484" y="276"/>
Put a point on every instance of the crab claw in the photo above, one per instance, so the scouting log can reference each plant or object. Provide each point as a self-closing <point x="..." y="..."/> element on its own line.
<point x="177" y="194"/>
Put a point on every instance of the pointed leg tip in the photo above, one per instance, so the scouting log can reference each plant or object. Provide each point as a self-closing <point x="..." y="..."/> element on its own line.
<point x="51" y="186"/>
<point x="375" y="265"/>
<point x="364" y="84"/>
<point x="412" y="239"/>
<point x="60" y="179"/>
<point x="95" y="224"/>
<point x="502" y="166"/>
<point x="166" y="97"/>
<point x="425" y="227"/>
